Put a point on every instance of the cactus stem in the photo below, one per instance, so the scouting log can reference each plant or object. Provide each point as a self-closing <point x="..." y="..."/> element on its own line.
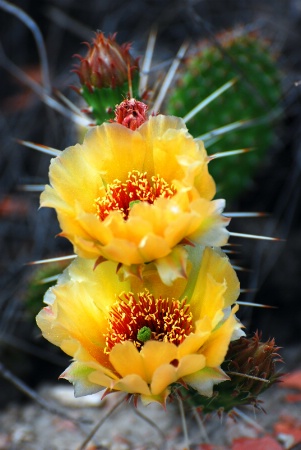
<point x="169" y="77"/>
<point x="147" y="61"/>
<point x="50" y="260"/>
<point x="209" y="99"/>
<point x="41" y="148"/>
<point x="229" y="153"/>
<point x="254" y="236"/>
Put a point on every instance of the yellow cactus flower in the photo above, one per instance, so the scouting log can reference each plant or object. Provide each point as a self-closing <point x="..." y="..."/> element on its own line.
<point x="143" y="337"/>
<point x="133" y="196"/>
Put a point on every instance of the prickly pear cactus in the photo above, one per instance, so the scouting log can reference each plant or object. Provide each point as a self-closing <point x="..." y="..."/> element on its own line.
<point x="255" y="95"/>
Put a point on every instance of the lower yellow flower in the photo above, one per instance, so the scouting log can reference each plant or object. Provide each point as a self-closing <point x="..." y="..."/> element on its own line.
<point x="143" y="338"/>
<point x="134" y="196"/>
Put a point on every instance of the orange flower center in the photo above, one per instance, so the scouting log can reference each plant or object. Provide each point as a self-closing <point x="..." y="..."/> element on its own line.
<point x="144" y="317"/>
<point x="137" y="188"/>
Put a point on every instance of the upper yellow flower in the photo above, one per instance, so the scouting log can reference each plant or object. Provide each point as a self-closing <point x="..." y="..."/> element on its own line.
<point x="143" y="338"/>
<point x="134" y="196"/>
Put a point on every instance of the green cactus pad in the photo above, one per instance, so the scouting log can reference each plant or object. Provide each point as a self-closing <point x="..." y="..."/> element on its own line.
<point x="256" y="94"/>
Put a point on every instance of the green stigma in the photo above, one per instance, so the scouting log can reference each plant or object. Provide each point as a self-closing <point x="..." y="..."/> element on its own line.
<point x="144" y="334"/>
<point x="131" y="204"/>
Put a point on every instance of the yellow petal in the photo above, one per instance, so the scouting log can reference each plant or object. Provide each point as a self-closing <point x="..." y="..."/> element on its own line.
<point x="194" y="341"/>
<point x="152" y="281"/>
<point x="127" y="360"/>
<point x="77" y="315"/>
<point x="78" y="374"/>
<point x="204" y="380"/>
<point x="171" y="268"/>
<point x="161" y="398"/>
<point x="215" y="283"/>
<point x="114" y="150"/>
<point x="132" y="384"/>
<point x="156" y="134"/>
<point x="54" y="333"/>
<point x="72" y="179"/>
<point x="152" y="247"/>
<point x="190" y="364"/>
<point x="155" y="354"/>
<point x="216" y="347"/>
<point x="163" y="377"/>
<point x="121" y="250"/>
<point x="210" y="226"/>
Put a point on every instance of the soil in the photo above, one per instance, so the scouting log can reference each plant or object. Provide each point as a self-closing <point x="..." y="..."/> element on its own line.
<point x="30" y="427"/>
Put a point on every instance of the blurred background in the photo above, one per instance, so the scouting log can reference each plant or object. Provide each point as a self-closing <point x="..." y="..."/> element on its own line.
<point x="273" y="275"/>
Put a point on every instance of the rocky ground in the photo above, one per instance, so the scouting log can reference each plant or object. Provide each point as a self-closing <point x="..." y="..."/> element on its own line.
<point x="30" y="427"/>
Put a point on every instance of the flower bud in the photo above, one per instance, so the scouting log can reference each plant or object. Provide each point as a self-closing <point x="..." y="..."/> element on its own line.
<point x="107" y="64"/>
<point x="107" y="74"/>
<point x="131" y="113"/>
<point x="250" y="365"/>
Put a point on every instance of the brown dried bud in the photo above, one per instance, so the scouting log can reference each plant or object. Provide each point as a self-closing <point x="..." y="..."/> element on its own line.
<point x="107" y="64"/>
<point x="250" y="365"/>
<point x="254" y="363"/>
<point x="131" y="113"/>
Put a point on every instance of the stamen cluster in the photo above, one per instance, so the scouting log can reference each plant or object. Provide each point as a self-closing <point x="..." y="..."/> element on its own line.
<point x="137" y="188"/>
<point x="168" y="320"/>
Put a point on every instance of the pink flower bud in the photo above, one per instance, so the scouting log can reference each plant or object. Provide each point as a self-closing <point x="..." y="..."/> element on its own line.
<point x="131" y="113"/>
